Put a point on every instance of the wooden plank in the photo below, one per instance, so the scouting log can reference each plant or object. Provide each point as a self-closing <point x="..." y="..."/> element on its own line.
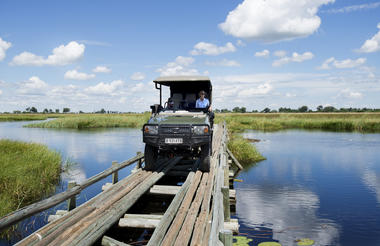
<point x="225" y="237"/>
<point x="106" y="186"/>
<point x="235" y="161"/>
<point x="232" y="225"/>
<point x="170" y="213"/>
<point x="104" y="222"/>
<point x="187" y="227"/>
<point x="138" y="223"/>
<point x="172" y="233"/>
<point x="164" y="189"/>
<point x="143" y="216"/>
<point x="34" y="208"/>
<point x="226" y="203"/>
<point x="232" y="194"/>
<point x="107" y="241"/>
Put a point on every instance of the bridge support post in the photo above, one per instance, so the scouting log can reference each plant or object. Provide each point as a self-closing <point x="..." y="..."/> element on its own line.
<point x="115" y="175"/>
<point x="139" y="161"/>
<point x="225" y="236"/>
<point x="226" y="203"/>
<point x="71" y="203"/>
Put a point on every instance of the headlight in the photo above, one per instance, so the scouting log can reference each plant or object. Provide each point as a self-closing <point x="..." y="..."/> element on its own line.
<point x="151" y="129"/>
<point x="200" y="130"/>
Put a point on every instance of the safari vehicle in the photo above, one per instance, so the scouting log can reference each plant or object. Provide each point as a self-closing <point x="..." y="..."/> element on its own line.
<point x="178" y="128"/>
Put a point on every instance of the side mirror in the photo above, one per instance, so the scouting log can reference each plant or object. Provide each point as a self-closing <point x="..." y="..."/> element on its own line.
<point x="156" y="108"/>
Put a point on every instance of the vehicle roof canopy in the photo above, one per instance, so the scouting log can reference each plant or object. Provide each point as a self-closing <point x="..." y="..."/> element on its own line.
<point x="170" y="80"/>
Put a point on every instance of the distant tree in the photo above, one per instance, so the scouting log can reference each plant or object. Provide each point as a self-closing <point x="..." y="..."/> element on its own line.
<point x="80" y="111"/>
<point x="102" y="111"/>
<point x="225" y="110"/>
<point x="329" y="109"/>
<point x="33" y="110"/>
<point x="66" y="110"/>
<point x="50" y="111"/>
<point x="57" y="111"/>
<point x="236" y="109"/>
<point x="303" y="109"/>
<point x="217" y="110"/>
<point x="16" y="111"/>
<point x="27" y="109"/>
<point x="45" y="111"/>
<point x="265" y="110"/>
<point x="320" y="108"/>
<point x="243" y="109"/>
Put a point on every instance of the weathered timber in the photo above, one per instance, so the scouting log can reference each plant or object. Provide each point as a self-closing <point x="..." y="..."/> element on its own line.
<point x="143" y="216"/>
<point x="182" y="211"/>
<point x="232" y="194"/>
<point x="170" y="213"/>
<point x="106" y="186"/>
<point x="188" y="225"/>
<point x="164" y="189"/>
<point x="225" y="237"/>
<point x="226" y="203"/>
<point x="232" y="225"/>
<point x="139" y="223"/>
<point x="107" y="241"/>
<point x="115" y="175"/>
<point x="93" y="233"/>
<point x="72" y="202"/>
<point x="34" y="208"/>
<point x="235" y="161"/>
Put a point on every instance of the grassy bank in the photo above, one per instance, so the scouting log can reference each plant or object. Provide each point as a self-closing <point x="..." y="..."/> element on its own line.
<point x="82" y="121"/>
<point x="243" y="150"/>
<point x="22" y="117"/>
<point x="361" y="122"/>
<point x="28" y="171"/>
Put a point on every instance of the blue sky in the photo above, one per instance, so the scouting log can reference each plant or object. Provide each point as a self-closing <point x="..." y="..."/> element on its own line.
<point x="89" y="55"/>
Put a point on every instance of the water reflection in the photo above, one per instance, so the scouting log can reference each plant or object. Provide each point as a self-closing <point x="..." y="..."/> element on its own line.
<point x="323" y="185"/>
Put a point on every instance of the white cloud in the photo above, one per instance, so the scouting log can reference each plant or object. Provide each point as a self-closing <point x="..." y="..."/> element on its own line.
<point x="75" y="75"/>
<point x="262" y="89"/>
<point x="294" y="58"/>
<point x="62" y="55"/>
<point x="348" y="63"/>
<point x="203" y="48"/>
<point x="33" y="86"/>
<point x="264" y="53"/>
<point x="223" y="63"/>
<point x="240" y="43"/>
<point x="138" y="76"/>
<point x="179" y="67"/>
<point x="1" y="92"/>
<point x="4" y="45"/>
<point x="351" y="94"/>
<point x="373" y="44"/>
<point x="274" y="20"/>
<point x="288" y="94"/>
<point x="105" y="88"/>
<point x="352" y="8"/>
<point x="101" y="69"/>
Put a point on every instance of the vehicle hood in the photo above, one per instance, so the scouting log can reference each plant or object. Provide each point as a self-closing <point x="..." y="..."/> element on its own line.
<point x="180" y="119"/>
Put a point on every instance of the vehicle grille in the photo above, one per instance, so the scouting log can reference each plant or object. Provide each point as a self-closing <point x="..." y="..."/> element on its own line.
<point x="169" y="129"/>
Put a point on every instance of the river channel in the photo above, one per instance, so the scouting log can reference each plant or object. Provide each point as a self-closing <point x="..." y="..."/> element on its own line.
<point x="323" y="186"/>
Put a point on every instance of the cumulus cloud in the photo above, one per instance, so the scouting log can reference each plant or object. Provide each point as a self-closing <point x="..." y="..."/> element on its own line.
<point x="294" y="58"/>
<point x="33" y="86"/>
<point x="264" y="53"/>
<point x="347" y="93"/>
<point x="62" y="55"/>
<point x="348" y="63"/>
<point x="105" y="88"/>
<point x="223" y="63"/>
<point x="272" y="21"/>
<point x="179" y="67"/>
<point x="280" y="53"/>
<point x="262" y="89"/>
<point x="203" y="48"/>
<point x="4" y="45"/>
<point x="101" y="69"/>
<point x="75" y="75"/>
<point x="373" y="44"/>
<point x="138" y="76"/>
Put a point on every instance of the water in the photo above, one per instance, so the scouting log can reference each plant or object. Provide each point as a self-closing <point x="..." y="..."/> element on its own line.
<point x="92" y="150"/>
<point x="319" y="185"/>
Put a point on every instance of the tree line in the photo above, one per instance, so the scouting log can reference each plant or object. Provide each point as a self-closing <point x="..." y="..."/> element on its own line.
<point x="302" y="109"/>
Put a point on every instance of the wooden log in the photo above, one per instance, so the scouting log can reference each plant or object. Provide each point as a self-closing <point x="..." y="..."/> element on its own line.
<point x="232" y="194"/>
<point x="139" y="223"/>
<point x="75" y="215"/>
<point x="172" y="233"/>
<point x="226" y="203"/>
<point x="115" y="175"/>
<point x="104" y="222"/>
<point x="34" y="208"/>
<point x="107" y="241"/>
<point x="235" y="161"/>
<point x="53" y="217"/>
<point x="139" y="162"/>
<point x="225" y="237"/>
<point x="188" y="225"/>
<point x="143" y="216"/>
<point x="71" y="203"/>
<point x="170" y="213"/>
<point x="164" y="189"/>
<point x="232" y="225"/>
<point x="106" y="186"/>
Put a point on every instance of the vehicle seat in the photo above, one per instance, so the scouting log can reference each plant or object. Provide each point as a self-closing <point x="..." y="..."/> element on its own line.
<point x="190" y="100"/>
<point x="177" y="99"/>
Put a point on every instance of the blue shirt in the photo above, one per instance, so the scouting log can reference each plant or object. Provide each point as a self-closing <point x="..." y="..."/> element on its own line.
<point x="202" y="104"/>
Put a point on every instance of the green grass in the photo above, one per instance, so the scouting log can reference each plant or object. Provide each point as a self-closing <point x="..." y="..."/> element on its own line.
<point x="83" y="121"/>
<point x="28" y="172"/>
<point x="361" y="122"/>
<point x="22" y="117"/>
<point x="245" y="152"/>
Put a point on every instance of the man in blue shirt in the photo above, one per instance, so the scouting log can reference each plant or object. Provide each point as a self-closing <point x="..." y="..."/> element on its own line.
<point x="202" y="102"/>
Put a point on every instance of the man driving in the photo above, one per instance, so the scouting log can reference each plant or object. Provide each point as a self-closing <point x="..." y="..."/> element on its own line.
<point x="202" y="102"/>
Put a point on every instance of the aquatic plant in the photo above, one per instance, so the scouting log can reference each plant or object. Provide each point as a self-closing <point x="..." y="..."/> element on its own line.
<point x="245" y="152"/>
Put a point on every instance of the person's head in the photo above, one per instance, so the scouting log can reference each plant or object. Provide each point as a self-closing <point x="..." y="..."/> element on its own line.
<point x="202" y="94"/>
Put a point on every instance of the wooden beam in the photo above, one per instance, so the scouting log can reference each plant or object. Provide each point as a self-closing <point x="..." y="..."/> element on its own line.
<point x="235" y="161"/>
<point x="164" y="189"/>
<point x="107" y="241"/>
<point x="139" y="223"/>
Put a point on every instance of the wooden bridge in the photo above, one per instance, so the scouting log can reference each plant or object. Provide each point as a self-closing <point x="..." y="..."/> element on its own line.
<point x="175" y="205"/>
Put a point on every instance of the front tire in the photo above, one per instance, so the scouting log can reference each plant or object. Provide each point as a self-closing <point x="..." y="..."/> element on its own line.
<point x="150" y="156"/>
<point x="205" y="158"/>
